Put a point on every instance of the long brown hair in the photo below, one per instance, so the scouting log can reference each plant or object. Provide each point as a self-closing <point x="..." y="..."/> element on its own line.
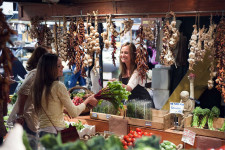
<point x="133" y="65"/>
<point x="36" y="55"/>
<point x="45" y="76"/>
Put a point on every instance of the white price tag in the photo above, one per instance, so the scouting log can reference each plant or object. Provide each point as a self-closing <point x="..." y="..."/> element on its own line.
<point x="176" y="108"/>
<point x="148" y="123"/>
<point x="108" y="116"/>
<point x="188" y="137"/>
<point x="94" y="115"/>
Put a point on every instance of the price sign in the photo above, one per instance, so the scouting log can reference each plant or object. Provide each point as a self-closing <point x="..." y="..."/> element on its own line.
<point x="148" y="123"/>
<point x="94" y="115"/>
<point x="188" y="137"/>
<point x="176" y="108"/>
<point x="108" y="116"/>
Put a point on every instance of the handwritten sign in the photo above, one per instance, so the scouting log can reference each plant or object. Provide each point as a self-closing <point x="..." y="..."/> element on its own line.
<point x="188" y="137"/>
<point x="176" y="108"/>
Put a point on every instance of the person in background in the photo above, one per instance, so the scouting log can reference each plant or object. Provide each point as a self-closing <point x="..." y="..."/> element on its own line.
<point x="23" y="111"/>
<point x="51" y="96"/>
<point x="17" y="70"/>
<point x="76" y="76"/>
<point x="3" y="110"/>
<point x="130" y="76"/>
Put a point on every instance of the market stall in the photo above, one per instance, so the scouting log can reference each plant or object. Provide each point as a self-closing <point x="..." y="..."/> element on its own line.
<point x="190" y="56"/>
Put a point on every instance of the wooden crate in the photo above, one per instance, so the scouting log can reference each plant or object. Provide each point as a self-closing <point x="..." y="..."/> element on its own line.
<point x="217" y="123"/>
<point x="160" y="120"/>
<point x="102" y="116"/>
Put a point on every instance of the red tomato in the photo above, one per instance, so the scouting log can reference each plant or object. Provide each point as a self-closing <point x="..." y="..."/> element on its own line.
<point x="125" y="137"/>
<point x="129" y="140"/>
<point x="131" y="131"/>
<point x="138" y="136"/>
<point x="133" y="140"/>
<point x="138" y="129"/>
<point x="223" y="147"/>
<point x="146" y="134"/>
<point x="150" y="134"/>
<point x="130" y="135"/>
<point x="125" y="147"/>
<point x="130" y="144"/>
<point x="124" y="142"/>
<point x="140" y="133"/>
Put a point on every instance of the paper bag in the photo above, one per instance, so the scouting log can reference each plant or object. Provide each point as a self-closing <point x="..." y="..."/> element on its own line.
<point x="118" y="125"/>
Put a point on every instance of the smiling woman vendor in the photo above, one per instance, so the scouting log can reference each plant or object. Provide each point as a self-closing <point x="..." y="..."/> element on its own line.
<point x="129" y="74"/>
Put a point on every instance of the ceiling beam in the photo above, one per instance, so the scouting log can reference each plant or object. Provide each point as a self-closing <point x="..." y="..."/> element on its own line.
<point x="28" y="10"/>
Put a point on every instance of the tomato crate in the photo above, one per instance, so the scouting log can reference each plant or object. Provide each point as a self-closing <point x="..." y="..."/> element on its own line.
<point x="217" y="123"/>
<point x="160" y="119"/>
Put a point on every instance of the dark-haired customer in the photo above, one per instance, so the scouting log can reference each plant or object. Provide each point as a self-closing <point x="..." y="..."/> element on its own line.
<point x="51" y="96"/>
<point x="23" y="111"/>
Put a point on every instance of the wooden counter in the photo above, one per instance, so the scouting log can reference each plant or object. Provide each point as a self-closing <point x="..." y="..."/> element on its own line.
<point x="169" y="134"/>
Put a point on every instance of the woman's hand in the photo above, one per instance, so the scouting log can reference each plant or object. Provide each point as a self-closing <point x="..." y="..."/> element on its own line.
<point x="91" y="100"/>
<point x="113" y="79"/>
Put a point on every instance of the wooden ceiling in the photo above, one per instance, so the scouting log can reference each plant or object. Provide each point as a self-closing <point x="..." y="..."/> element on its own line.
<point x="139" y="8"/>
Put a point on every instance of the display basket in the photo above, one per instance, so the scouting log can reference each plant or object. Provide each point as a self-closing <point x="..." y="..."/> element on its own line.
<point x="87" y="93"/>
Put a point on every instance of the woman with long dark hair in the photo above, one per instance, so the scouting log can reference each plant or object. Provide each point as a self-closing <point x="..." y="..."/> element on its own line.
<point x="23" y="111"/>
<point x="51" y="96"/>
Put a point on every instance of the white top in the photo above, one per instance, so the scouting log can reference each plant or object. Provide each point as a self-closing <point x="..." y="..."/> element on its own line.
<point x="135" y="79"/>
<point x="29" y="113"/>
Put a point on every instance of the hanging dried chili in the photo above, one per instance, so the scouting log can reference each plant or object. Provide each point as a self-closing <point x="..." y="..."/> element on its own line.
<point x="220" y="56"/>
<point x="141" y="54"/>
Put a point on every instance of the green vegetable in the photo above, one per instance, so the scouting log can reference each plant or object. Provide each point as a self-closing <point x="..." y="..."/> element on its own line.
<point x="196" y="113"/>
<point x="26" y="141"/>
<point x="79" y="126"/>
<point x="14" y="98"/>
<point x="223" y="127"/>
<point x="96" y="143"/>
<point x="6" y="118"/>
<point x="214" y="113"/>
<point x="114" y="93"/>
<point x="131" y="109"/>
<point x="204" y="120"/>
<point x="147" y="142"/>
<point x="49" y="141"/>
<point x="78" y="145"/>
<point x="113" y="143"/>
<point x="167" y="145"/>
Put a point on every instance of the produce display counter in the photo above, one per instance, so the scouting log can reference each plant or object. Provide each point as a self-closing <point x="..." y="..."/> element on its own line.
<point x="168" y="134"/>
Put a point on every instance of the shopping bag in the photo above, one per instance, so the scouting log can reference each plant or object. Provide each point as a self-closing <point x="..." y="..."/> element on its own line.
<point x="69" y="134"/>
